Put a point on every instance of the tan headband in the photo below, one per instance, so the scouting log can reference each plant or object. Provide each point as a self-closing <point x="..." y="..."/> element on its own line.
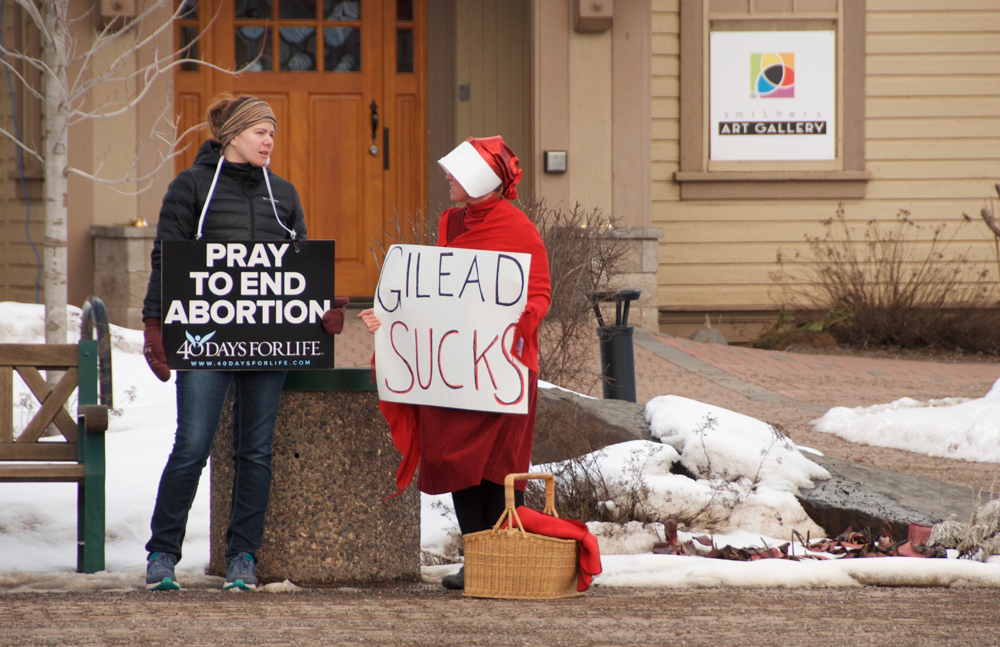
<point x="250" y="112"/>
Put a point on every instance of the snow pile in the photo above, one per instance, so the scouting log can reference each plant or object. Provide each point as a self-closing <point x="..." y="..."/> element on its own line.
<point x="747" y="472"/>
<point x="949" y="428"/>
<point x="440" y="538"/>
<point x="24" y="323"/>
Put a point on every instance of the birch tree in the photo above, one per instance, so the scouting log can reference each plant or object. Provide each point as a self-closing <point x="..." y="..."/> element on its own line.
<point x="70" y="76"/>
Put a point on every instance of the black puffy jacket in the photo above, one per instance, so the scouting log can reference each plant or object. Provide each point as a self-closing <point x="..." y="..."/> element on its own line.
<point x="240" y="209"/>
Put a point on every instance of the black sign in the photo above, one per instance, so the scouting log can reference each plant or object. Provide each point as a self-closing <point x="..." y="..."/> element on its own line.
<point x="247" y="305"/>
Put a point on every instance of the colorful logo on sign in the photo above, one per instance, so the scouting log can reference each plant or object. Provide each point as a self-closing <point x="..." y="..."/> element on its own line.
<point x="772" y="75"/>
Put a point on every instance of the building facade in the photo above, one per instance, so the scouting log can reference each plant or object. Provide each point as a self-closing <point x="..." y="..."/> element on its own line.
<point x="614" y="105"/>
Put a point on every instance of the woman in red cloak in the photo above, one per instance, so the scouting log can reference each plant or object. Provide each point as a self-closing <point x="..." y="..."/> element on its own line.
<point x="468" y="453"/>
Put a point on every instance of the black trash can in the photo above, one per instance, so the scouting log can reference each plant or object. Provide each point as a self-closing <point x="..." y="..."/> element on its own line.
<point x="617" y="357"/>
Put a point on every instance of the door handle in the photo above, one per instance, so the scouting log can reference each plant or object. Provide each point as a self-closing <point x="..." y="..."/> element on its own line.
<point x="373" y="107"/>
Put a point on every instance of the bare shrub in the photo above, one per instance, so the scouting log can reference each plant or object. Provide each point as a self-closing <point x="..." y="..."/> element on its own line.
<point x="585" y="494"/>
<point x="585" y="255"/>
<point x="893" y="285"/>
<point x="415" y="230"/>
<point x="976" y="540"/>
<point x="989" y="215"/>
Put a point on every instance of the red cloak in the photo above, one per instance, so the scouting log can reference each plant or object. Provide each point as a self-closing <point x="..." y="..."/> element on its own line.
<point x="456" y="448"/>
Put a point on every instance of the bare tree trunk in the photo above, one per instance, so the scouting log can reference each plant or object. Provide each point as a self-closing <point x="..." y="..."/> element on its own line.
<point x="56" y="134"/>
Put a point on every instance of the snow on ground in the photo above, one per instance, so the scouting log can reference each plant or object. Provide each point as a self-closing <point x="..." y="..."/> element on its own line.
<point x="729" y="454"/>
<point x="948" y="428"/>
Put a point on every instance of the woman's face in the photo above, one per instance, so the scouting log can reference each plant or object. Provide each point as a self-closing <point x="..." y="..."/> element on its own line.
<point x="456" y="193"/>
<point x="253" y="145"/>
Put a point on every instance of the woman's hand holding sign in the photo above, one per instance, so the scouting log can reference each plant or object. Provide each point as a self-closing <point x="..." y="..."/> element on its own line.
<point x="371" y="321"/>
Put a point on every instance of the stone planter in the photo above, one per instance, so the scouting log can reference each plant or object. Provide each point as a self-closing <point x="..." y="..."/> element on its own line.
<point x="333" y="463"/>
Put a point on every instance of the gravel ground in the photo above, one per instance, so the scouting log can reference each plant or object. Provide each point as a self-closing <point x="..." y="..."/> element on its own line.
<point x="425" y="615"/>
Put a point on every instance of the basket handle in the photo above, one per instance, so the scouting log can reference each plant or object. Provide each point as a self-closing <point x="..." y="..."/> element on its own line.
<point x="550" y="489"/>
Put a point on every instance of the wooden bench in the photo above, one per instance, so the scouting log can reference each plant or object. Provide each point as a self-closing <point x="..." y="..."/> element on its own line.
<point x="78" y="457"/>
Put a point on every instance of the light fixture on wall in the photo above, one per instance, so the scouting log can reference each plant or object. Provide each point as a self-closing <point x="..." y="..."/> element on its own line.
<point x="555" y="161"/>
<point x="121" y="10"/>
<point x="592" y="15"/>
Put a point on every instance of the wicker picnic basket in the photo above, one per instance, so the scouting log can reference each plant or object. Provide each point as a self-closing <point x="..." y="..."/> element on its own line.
<point x="514" y="564"/>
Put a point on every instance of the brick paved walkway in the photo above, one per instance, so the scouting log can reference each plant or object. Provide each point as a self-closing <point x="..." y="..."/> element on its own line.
<point x="821" y="381"/>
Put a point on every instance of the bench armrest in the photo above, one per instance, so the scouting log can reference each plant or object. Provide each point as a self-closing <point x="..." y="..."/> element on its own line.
<point x="95" y="417"/>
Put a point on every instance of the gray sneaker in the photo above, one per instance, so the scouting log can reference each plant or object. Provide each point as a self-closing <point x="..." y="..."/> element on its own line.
<point x="160" y="572"/>
<point x="239" y="573"/>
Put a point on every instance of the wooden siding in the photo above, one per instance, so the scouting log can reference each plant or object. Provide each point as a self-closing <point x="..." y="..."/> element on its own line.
<point x="19" y="269"/>
<point x="493" y="55"/>
<point x="932" y="145"/>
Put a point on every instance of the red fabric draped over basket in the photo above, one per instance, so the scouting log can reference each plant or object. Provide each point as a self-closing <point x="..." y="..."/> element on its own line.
<point x="588" y="555"/>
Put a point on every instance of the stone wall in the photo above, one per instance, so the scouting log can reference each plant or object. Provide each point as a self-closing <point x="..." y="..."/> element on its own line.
<point x="326" y="524"/>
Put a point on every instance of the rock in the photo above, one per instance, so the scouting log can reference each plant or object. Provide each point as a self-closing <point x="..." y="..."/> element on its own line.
<point x="710" y="336"/>
<point x="568" y="425"/>
<point x="867" y="497"/>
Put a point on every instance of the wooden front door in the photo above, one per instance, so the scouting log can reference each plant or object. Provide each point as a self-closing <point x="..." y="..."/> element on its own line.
<point x="346" y="81"/>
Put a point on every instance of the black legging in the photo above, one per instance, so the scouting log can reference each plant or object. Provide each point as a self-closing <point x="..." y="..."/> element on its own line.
<point x="478" y="507"/>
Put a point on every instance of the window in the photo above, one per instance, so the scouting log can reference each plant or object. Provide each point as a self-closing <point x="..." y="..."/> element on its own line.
<point x="805" y="152"/>
<point x="312" y="36"/>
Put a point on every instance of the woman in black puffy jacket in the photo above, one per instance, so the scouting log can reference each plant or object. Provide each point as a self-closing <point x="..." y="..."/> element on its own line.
<point x="227" y="194"/>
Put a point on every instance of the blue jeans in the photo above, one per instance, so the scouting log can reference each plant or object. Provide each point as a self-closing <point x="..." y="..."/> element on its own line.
<point x="200" y="398"/>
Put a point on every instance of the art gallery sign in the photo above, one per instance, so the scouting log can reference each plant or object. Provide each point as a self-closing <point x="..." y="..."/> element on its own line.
<point x="247" y="305"/>
<point x="447" y="322"/>
<point x="773" y="96"/>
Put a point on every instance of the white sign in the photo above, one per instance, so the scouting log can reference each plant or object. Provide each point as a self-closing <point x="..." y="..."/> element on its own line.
<point x="773" y="95"/>
<point x="448" y="317"/>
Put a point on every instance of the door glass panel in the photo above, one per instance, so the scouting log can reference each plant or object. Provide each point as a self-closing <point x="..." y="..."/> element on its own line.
<point x="249" y="40"/>
<point x="342" y="9"/>
<point x="404" y="10"/>
<point x="342" y="49"/>
<point x="187" y="32"/>
<point x="404" y="51"/>
<point x="253" y="9"/>
<point x="189" y="48"/>
<point x="298" y="49"/>
<point x="297" y="9"/>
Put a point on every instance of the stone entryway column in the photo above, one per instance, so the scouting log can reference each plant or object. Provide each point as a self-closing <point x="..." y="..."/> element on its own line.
<point x="121" y="270"/>
<point x="640" y="268"/>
